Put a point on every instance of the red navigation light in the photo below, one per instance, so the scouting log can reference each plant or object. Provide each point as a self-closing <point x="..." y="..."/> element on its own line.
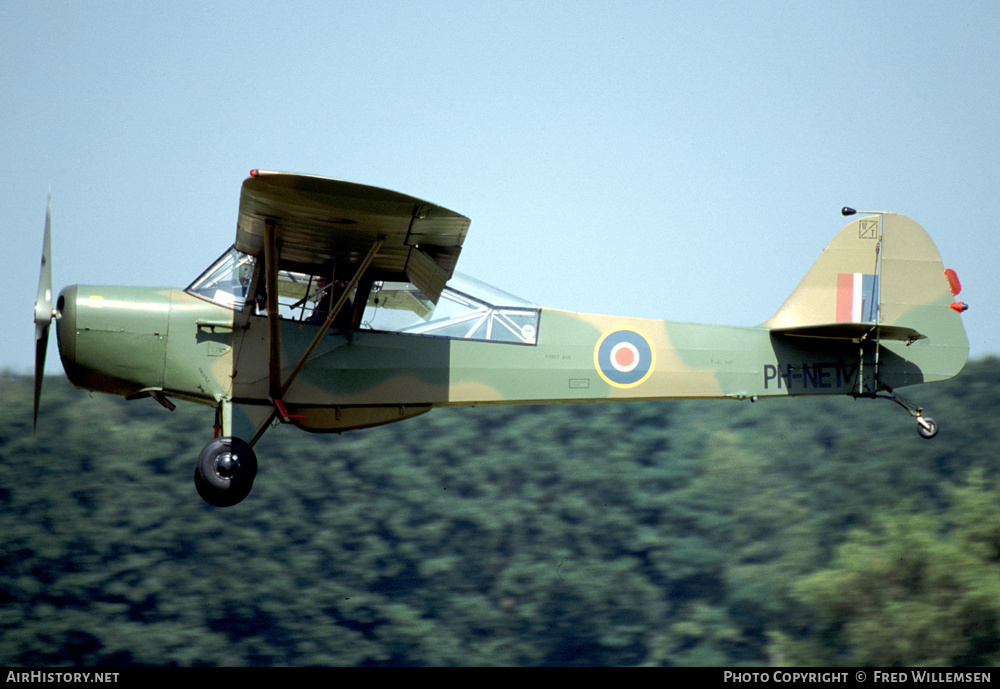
<point x="253" y="173"/>
<point x="953" y="282"/>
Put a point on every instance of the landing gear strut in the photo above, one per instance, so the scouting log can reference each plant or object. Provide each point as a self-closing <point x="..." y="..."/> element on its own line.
<point x="225" y="472"/>
<point x="926" y="426"/>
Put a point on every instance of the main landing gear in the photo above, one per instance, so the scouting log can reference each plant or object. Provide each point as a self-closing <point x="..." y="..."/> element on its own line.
<point x="225" y="472"/>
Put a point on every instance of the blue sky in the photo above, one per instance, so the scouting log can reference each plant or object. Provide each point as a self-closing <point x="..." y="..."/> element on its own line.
<point x="683" y="161"/>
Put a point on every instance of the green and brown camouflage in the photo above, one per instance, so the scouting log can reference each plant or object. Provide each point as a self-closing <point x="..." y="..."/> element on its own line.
<point x="253" y="337"/>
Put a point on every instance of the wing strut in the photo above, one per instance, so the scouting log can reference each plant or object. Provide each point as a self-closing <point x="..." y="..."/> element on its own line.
<point x="273" y="323"/>
<point x="323" y="330"/>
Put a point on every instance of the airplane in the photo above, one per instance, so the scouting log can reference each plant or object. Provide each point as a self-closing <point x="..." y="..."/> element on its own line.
<point x="338" y="307"/>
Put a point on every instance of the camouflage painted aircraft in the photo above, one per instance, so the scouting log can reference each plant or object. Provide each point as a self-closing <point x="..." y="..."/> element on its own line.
<point x="338" y="307"/>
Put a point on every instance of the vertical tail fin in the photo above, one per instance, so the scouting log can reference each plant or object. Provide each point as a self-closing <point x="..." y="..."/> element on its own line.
<point x="881" y="279"/>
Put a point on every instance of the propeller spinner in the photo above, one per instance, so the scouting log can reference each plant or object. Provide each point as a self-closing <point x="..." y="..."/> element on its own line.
<point x="44" y="311"/>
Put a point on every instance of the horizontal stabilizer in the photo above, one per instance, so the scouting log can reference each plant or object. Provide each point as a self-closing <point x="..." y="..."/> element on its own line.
<point x="852" y="331"/>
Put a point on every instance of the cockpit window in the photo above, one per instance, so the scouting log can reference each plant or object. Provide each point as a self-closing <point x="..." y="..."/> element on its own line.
<point x="227" y="281"/>
<point x="309" y="298"/>
<point x="467" y="309"/>
<point x="301" y="297"/>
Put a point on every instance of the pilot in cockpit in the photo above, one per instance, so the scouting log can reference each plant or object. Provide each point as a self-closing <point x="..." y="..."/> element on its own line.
<point x="328" y="295"/>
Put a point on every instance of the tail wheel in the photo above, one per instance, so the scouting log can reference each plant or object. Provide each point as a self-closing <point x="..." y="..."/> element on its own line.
<point x="927" y="427"/>
<point x="225" y="472"/>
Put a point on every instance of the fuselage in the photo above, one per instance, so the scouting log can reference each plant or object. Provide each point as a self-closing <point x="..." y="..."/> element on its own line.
<point x="130" y="341"/>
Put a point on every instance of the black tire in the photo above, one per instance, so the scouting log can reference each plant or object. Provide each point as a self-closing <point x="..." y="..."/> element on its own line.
<point x="225" y="472"/>
<point x="930" y="430"/>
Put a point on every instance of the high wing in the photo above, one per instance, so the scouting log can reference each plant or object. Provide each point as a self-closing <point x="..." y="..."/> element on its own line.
<point x="319" y="222"/>
<point x="343" y="230"/>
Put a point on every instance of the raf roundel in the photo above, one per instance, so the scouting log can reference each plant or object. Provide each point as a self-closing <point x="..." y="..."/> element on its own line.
<point x="624" y="358"/>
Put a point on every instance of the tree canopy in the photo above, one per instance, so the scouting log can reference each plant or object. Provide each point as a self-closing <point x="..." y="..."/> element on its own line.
<point x="807" y="531"/>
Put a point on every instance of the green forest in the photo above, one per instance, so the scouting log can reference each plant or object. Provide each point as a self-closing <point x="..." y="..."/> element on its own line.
<point x="783" y="532"/>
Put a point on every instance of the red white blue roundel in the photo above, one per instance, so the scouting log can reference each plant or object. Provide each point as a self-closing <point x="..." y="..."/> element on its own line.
<point x="624" y="358"/>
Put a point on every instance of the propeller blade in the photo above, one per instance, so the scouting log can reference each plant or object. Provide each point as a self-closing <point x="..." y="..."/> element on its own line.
<point x="43" y="308"/>
<point x="41" y="344"/>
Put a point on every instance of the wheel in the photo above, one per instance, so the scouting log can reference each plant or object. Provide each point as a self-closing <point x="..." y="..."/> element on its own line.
<point x="225" y="472"/>
<point x="927" y="427"/>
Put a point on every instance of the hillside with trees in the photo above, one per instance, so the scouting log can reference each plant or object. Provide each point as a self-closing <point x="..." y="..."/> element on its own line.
<point x="784" y="532"/>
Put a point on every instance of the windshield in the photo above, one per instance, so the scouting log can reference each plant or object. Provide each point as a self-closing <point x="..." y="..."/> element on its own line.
<point x="227" y="281"/>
